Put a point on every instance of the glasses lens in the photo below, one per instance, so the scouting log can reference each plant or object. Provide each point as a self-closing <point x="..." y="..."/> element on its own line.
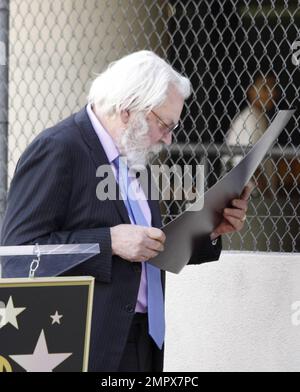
<point x="175" y="128"/>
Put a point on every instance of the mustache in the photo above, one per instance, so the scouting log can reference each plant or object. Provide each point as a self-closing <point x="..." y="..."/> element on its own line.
<point x="134" y="143"/>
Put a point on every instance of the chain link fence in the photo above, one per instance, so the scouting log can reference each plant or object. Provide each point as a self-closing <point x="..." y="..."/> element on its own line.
<point x="238" y="55"/>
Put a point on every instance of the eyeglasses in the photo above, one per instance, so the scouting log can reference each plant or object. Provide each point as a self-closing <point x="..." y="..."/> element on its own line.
<point x="163" y="126"/>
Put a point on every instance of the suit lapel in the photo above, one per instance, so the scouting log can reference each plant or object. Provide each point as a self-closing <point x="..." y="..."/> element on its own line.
<point x="155" y="213"/>
<point x="97" y="153"/>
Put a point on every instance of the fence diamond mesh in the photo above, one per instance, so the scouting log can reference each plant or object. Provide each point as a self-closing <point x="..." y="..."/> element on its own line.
<point x="242" y="59"/>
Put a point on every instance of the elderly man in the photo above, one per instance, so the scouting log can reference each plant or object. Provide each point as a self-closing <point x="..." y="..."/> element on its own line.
<point x="133" y="108"/>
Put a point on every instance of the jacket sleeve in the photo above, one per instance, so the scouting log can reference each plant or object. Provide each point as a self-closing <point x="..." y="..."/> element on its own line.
<point x="205" y="250"/>
<point x="36" y="209"/>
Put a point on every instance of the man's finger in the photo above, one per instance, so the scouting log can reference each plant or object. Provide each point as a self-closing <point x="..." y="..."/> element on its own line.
<point x="247" y="191"/>
<point x="155" y="245"/>
<point x="156" y="234"/>
<point x="240" y="204"/>
<point x="235" y="213"/>
<point x="237" y="225"/>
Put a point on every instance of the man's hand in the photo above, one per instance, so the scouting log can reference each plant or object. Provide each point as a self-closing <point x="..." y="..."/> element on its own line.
<point x="234" y="218"/>
<point x="136" y="243"/>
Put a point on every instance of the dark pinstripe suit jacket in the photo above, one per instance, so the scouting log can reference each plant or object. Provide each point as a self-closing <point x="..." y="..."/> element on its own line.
<point x="52" y="199"/>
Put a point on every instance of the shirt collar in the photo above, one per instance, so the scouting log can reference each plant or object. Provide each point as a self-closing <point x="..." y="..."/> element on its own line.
<point x="110" y="148"/>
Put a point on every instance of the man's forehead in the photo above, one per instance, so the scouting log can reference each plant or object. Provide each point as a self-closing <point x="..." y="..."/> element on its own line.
<point x="172" y="107"/>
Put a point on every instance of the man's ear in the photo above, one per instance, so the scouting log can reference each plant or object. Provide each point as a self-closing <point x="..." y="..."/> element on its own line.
<point x="125" y="115"/>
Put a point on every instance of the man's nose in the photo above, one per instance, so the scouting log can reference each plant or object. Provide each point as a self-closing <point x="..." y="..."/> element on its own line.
<point x="167" y="139"/>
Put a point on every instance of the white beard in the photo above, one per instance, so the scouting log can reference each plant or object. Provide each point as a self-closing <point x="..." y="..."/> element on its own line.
<point x="134" y="143"/>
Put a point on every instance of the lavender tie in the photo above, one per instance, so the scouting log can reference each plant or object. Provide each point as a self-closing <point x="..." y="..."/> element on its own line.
<point x="156" y="317"/>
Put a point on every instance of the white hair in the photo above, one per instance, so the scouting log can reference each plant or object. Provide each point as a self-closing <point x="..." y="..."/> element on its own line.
<point x="137" y="82"/>
<point x="134" y="142"/>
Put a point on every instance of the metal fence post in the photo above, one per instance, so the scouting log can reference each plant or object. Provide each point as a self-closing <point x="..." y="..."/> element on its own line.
<point x="4" y="33"/>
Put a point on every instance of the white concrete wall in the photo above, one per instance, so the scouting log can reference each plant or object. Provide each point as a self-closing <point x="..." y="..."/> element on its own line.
<point x="234" y="315"/>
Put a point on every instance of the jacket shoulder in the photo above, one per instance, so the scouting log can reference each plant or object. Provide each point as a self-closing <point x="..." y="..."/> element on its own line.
<point x="65" y="131"/>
